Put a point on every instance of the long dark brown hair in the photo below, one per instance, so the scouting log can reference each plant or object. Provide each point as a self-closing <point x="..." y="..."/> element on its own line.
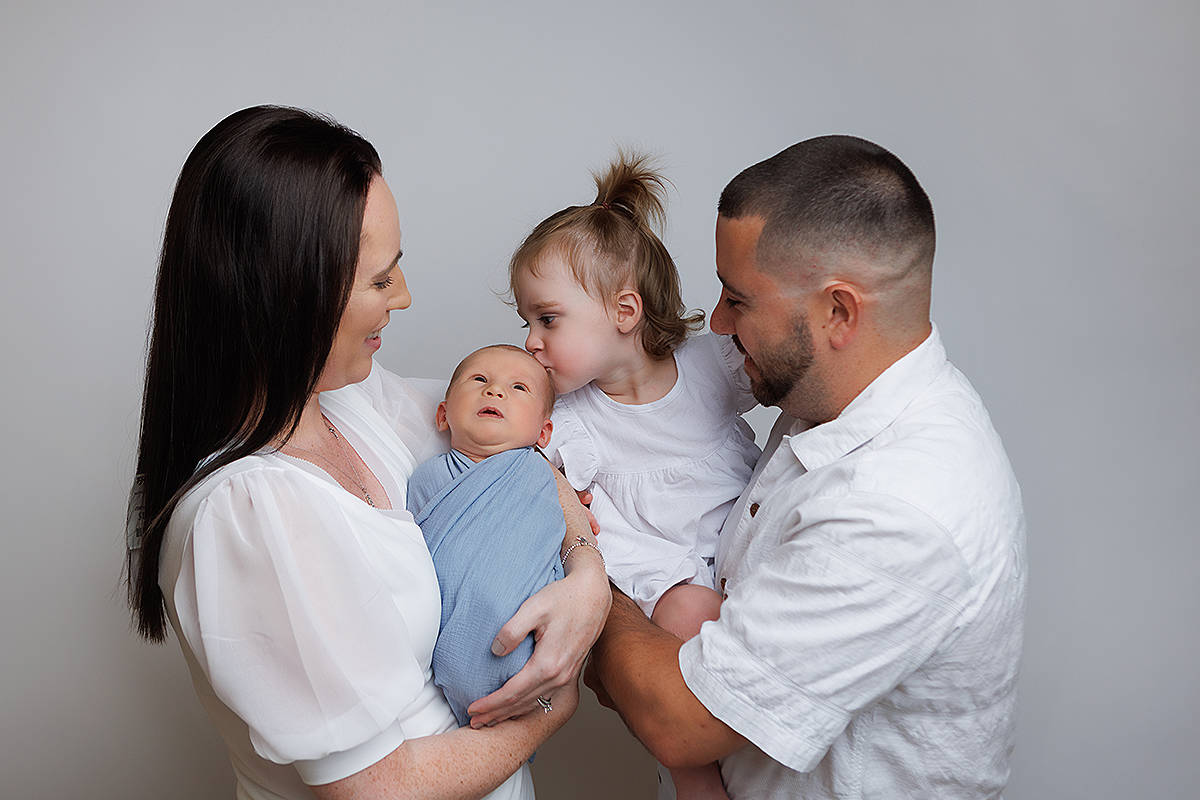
<point x="257" y="263"/>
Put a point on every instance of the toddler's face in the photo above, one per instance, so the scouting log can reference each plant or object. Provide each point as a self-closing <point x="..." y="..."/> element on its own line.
<point x="498" y="400"/>
<point x="571" y="333"/>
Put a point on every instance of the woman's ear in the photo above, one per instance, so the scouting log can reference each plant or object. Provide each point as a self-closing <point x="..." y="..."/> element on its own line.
<point x="628" y="310"/>
<point x="440" y="418"/>
<point x="544" y="437"/>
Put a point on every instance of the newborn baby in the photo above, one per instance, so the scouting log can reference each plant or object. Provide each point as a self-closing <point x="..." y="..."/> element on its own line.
<point x="490" y="513"/>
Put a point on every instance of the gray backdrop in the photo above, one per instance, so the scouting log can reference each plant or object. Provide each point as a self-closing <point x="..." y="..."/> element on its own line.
<point x="1055" y="139"/>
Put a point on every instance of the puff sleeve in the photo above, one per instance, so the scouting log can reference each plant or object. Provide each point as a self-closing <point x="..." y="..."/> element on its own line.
<point x="571" y="448"/>
<point x="286" y="606"/>
<point x="735" y="370"/>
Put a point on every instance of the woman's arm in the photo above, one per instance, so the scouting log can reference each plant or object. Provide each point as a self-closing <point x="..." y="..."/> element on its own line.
<point x="565" y="618"/>
<point x="462" y="763"/>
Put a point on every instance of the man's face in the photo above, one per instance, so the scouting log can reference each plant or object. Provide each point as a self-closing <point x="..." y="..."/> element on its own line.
<point x="766" y="318"/>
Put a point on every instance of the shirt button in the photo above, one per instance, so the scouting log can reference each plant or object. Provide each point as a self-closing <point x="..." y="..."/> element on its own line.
<point x="753" y="509"/>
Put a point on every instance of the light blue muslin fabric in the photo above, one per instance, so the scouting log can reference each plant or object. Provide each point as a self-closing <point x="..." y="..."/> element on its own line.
<point x="494" y="529"/>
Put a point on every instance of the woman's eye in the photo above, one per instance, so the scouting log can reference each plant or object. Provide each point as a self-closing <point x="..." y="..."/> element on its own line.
<point x="385" y="283"/>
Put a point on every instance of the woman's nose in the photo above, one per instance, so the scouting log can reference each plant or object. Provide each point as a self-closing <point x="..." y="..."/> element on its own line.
<point x="400" y="298"/>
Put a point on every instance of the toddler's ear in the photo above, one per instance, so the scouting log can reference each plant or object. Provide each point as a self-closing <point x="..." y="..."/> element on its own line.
<point x="440" y="418"/>
<point x="544" y="437"/>
<point x="628" y="308"/>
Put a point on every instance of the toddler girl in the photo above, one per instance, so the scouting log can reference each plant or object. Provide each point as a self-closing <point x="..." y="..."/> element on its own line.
<point x="647" y="416"/>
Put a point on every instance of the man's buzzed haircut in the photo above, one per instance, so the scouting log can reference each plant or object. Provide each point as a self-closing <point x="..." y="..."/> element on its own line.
<point x="835" y="193"/>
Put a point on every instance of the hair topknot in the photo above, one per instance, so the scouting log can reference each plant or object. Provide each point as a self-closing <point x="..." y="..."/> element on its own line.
<point x="612" y="244"/>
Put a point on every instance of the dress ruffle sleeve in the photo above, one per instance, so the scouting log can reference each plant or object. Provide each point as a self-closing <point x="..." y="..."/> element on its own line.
<point x="571" y="448"/>
<point x="735" y="368"/>
<point x="286" y="613"/>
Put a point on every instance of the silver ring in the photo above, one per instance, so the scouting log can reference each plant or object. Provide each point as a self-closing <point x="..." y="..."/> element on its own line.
<point x="544" y="702"/>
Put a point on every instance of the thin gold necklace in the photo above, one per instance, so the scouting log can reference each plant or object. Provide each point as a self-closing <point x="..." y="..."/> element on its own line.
<point x="351" y="472"/>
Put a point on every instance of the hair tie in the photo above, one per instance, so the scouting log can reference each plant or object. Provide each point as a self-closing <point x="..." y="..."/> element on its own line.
<point x="606" y="205"/>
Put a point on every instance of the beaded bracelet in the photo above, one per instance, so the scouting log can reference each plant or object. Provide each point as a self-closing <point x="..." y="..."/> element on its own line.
<point x="579" y="540"/>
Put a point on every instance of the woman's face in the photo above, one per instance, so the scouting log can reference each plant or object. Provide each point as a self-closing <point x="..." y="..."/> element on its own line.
<point x="378" y="288"/>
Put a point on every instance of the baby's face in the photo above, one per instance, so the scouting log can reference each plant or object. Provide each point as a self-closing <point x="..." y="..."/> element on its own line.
<point x="497" y="401"/>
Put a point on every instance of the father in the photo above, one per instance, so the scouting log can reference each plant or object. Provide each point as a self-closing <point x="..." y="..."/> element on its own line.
<point x="874" y="568"/>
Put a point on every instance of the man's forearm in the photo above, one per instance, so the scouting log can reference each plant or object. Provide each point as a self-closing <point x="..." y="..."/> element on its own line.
<point x="638" y="665"/>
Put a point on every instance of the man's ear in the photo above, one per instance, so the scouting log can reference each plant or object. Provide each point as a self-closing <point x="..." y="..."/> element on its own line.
<point x="440" y="418"/>
<point x="628" y="310"/>
<point x="844" y="307"/>
<point x="544" y="437"/>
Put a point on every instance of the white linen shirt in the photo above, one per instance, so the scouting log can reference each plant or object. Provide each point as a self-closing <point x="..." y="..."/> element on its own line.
<point x="874" y="572"/>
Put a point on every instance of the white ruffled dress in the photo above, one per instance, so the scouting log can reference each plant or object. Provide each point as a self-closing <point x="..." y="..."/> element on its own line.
<point x="663" y="475"/>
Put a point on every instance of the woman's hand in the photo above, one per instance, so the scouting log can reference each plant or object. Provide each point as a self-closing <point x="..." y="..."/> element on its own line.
<point x="565" y="618"/>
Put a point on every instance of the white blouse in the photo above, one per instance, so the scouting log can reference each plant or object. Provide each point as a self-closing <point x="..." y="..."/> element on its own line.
<point x="663" y="475"/>
<point x="308" y="618"/>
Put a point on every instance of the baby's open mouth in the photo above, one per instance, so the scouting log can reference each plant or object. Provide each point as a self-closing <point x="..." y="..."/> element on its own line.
<point x="488" y="411"/>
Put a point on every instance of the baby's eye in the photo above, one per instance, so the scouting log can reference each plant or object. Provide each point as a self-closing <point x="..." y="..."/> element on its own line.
<point x="480" y="378"/>
<point x="522" y="387"/>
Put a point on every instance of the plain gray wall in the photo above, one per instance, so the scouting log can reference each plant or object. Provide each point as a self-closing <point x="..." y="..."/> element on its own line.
<point x="1057" y="141"/>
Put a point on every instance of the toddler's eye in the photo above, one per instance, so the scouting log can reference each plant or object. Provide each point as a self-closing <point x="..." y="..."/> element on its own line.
<point x="546" y="319"/>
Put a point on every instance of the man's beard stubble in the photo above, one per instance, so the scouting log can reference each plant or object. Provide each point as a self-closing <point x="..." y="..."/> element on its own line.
<point x="782" y="366"/>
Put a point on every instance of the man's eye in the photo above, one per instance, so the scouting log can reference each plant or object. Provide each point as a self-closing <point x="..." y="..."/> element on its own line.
<point x="731" y="303"/>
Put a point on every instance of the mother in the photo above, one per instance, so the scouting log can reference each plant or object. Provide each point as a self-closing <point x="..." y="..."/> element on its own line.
<point x="271" y="472"/>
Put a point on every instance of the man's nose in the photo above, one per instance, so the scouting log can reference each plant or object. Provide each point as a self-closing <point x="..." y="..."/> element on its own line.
<point x="719" y="320"/>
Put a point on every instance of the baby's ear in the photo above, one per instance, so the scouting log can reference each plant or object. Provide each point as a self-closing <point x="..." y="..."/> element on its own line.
<point x="544" y="437"/>
<point x="628" y="308"/>
<point x="440" y="418"/>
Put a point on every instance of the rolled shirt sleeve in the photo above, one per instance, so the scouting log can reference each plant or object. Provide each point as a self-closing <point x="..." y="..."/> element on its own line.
<point x="856" y="595"/>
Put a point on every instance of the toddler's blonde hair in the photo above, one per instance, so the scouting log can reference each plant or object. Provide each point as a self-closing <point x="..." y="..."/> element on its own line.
<point x="611" y="244"/>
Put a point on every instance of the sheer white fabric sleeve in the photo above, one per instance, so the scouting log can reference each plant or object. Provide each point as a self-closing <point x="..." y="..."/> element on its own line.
<point x="409" y="405"/>
<point x="296" y="632"/>
<point x="735" y="368"/>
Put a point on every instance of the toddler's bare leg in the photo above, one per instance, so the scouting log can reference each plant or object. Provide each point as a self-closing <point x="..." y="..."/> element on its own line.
<point x="681" y="610"/>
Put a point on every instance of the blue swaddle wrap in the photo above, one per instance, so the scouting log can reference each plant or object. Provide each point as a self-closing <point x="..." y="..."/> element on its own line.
<point x="494" y="529"/>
